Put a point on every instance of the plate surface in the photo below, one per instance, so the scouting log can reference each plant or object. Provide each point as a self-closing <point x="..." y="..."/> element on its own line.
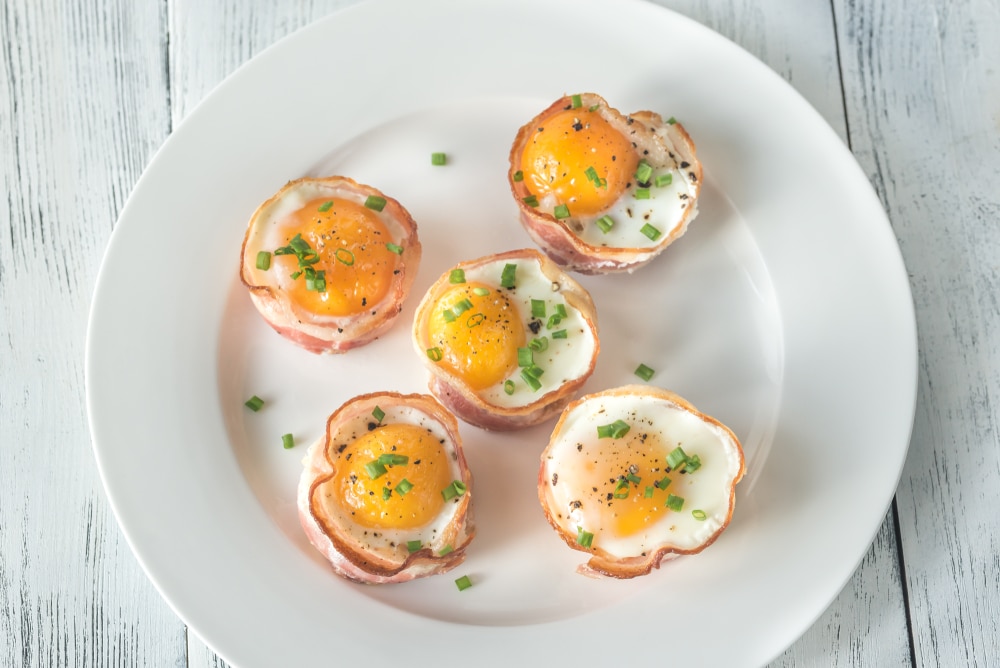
<point x="785" y="312"/>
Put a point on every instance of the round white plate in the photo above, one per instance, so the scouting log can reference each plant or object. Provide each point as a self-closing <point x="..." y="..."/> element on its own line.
<point x="785" y="312"/>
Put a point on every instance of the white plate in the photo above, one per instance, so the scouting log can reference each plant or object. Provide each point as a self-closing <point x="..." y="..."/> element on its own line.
<point x="785" y="312"/>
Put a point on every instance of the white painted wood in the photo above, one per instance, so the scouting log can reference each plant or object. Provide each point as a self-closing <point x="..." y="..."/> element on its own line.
<point x="82" y="107"/>
<point x="923" y="96"/>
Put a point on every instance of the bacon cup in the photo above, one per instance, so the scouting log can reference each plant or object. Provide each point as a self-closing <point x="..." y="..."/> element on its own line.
<point x="508" y="339"/>
<point x="601" y="192"/>
<point x="329" y="261"/>
<point x="635" y="475"/>
<point x="386" y="494"/>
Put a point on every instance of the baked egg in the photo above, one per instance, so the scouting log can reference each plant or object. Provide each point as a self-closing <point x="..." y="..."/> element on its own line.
<point x="385" y="494"/>
<point x="600" y="191"/>
<point x="329" y="261"/>
<point x="635" y="475"/>
<point x="508" y="339"/>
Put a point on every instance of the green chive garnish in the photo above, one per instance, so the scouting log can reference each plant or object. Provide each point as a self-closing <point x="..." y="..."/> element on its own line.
<point x="434" y="354"/>
<point x="263" y="260"/>
<point x="403" y="486"/>
<point x="693" y="464"/>
<point x="677" y="458"/>
<point x="576" y="101"/>
<point x="534" y="371"/>
<point x="438" y="158"/>
<point x="699" y="515"/>
<point x="455" y="489"/>
<point x="392" y="459"/>
<point x="254" y="403"/>
<point x="325" y="206"/>
<point x="447" y="549"/>
<point x="537" y="308"/>
<point x="594" y="107"/>
<point x="518" y="176"/>
<point x="591" y="175"/>
<point x="643" y="172"/>
<point x="621" y="489"/>
<point x="298" y="244"/>
<point x="463" y="583"/>
<point x="648" y="493"/>
<point x="375" y="203"/>
<point x="584" y="538"/>
<point x="456" y="276"/>
<point x="561" y="211"/>
<point x="663" y="180"/>
<point x="662" y="483"/>
<point x="374" y="469"/>
<point x="616" y="429"/>
<point x="344" y="256"/>
<point x="644" y="372"/>
<point x="675" y="503"/>
<point x="481" y="291"/>
<point x="525" y="357"/>
<point x="530" y="380"/>
<point x="412" y="545"/>
<point x="508" y="387"/>
<point x="605" y="223"/>
<point x="650" y="232"/>
<point x="560" y="310"/>
<point x="539" y="344"/>
<point x="295" y="275"/>
<point x="386" y="493"/>
<point x="507" y="275"/>
<point x="448" y="315"/>
<point x="395" y="248"/>
<point x="530" y="200"/>
<point x="462" y="306"/>
<point x="559" y="334"/>
<point x="641" y="193"/>
<point x="288" y="441"/>
<point x="671" y="120"/>
<point x="475" y="320"/>
<point x="378" y="414"/>
<point x="633" y="478"/>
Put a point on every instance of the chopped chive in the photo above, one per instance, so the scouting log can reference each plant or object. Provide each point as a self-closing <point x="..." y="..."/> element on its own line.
<point x="378" y="414"/>
<point x="663" y="180"/>
<point x="644" y="372"/>
<point x="475" y="320"/>
<point x="375" y="469"/>
<point x="594" y="107"/>
<point x="448" y="315"/>
<point x="699" y="515"/>
<point x="518" y="176"/>
<point x="693" y="464"/>
<point x="455" y="489"/>
<point x="438" y="158"/>
<point x="591" y="175"/>
<point x="561" y="310"/>
<point x="663" y="482"/>
<point x="534" y="371"/>
<point x="584" y="538"/>
<point x="525" y="357"/>
<point x="553" y="321"/>
<point x="325" y="206"/>
<point x="560" y="334"/>
<point x="507" y="275"/>
<point x="403" y="486"/>
<point x="288" y="441"/>
<point x="671" y="120"/>
<point x="386" y="493"/>
<point x="462" y="306"/>
<point x="299" y="244"/>
<point x="481" y="291"/>
<point x="456" y="276"/>
<point x="447" y="549"/>
<point x="643" y="172"/>
<point x="561" y="211"/>
<point x="605" y="223"/>
<point x="412" y="545"/>
<point x="633" y="478"/>
<point x="263" y="260"/>
<point x="677" y="458"/>
<point x="344" y="256"/>
<point x="539" y="344"/>
<point x="621" y="489"/>
<point x="650" y="232"/>
<point x="648" y="493"/>
<point x="508" y="387"/>
<point x="434" y="354"/>
<point x="463" y="583"/>
<point x="675" y="503"/>
<point x="254" y="403"/>
<point x="531" y="381"/>
<point x="375" y="203"/>
<point x="295" y="275"/>
<point x="616" y="429"/>
<point x="641" y="193"/>
<point x="530" y="200"/>
<point x="395" y="248"/>
<point x="576" y="101"/>
<point x="537" y="308"/>
<point x="392" y="459"/>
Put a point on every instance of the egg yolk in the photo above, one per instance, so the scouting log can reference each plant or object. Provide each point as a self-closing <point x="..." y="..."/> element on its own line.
<point x="478" y="334"/>
<point x="624" y="507"/>
<point x="427" y="472"/>
<point x="581" y="159"/>
<point x="350" y="243"/>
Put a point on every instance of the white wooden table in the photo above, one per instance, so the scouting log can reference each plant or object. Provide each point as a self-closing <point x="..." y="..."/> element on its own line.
<point x="89" y="90"/>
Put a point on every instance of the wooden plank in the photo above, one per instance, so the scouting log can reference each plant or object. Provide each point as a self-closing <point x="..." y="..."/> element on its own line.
<point x="922" y="95"/>
<point x="82" y="107"/>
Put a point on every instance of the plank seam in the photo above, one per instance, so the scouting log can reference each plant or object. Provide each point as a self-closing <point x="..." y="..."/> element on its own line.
<point x="902" y="582"/>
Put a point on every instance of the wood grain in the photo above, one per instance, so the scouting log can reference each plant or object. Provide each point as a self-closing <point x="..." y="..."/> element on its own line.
<point x="923" y="94"/>
<point x="82" y="108"/>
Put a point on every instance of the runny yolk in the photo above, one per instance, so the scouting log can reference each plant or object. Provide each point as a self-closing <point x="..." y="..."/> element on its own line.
<point x="559" y="153"/>
<point x="427" y="470"/>
<point x="479" y="342"/>
<point x="350" y="240"/>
